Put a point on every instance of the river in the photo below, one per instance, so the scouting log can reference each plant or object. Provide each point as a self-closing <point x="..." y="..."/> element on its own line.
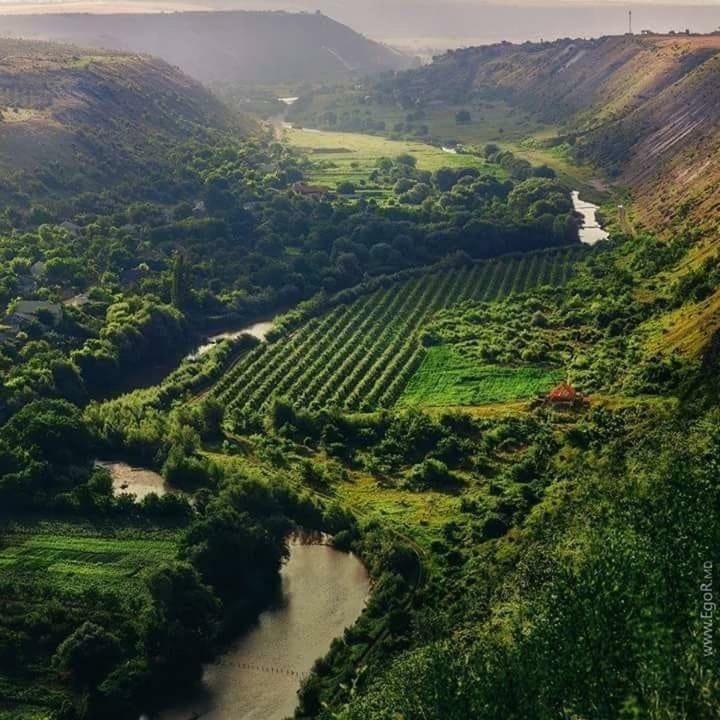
<point x="259" y="330"/>
<point x="591" y="231"/>
<point x="136" y="480"/>
<point x="323" y="592"/>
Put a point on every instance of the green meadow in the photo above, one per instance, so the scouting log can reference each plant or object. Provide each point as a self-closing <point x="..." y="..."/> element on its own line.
<point x="350" y="157"/>
<point x="445" y="378"/>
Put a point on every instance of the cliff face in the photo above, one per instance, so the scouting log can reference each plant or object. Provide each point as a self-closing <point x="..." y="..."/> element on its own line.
<point x="646" y="109"/>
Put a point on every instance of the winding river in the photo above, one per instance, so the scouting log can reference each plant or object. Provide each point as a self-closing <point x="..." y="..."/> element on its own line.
<point x="591" y="231"/>
<point x="323" y="592"/>
<point x="258" y="330"/>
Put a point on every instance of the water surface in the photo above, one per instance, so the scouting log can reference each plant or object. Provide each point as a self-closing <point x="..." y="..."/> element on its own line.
<point x="258" y="330"/>
<point x="591" y="231"/>
<point x="136" y="480"/>
<point x="323" y="592"/>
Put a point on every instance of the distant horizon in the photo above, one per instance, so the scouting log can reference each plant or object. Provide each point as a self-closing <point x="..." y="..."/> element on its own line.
<point x="417" y="26"/>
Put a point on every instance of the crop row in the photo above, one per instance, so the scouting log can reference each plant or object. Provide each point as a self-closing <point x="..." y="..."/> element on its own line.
<point x="360" y="356"/>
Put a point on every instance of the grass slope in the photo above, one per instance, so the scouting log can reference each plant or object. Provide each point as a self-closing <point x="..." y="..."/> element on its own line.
<point x="235" y="47"/>
<point x="75" y="120"/>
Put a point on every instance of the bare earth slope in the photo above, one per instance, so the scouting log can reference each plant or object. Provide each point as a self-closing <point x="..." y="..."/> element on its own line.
<point x="226" y="47"/>
<point x="645" y="108"/>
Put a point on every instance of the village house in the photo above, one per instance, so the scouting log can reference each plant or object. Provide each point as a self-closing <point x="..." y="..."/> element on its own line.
<point x="314" y="192"/>
<point x="25" y="311"/>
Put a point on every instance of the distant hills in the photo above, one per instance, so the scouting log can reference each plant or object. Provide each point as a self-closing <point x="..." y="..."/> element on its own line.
<point x="242" y="48"/>
<point x="645" y="108"/>
<point x="73" y="120"/>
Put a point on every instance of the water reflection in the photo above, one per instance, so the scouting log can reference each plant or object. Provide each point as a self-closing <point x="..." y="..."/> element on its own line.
<point x="324" y="591"/>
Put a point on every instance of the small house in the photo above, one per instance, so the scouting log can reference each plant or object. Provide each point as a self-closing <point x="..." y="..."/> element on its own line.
<point x="26" y="311"/>
<point x="314" y="192"/>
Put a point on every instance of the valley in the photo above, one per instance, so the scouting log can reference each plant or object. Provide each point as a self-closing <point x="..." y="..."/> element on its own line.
<point x="455" y="326"/>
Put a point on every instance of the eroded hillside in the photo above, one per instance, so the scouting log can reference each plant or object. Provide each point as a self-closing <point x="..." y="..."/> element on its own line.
<point x="647" y="109"/>
<point x="73" y="118"/>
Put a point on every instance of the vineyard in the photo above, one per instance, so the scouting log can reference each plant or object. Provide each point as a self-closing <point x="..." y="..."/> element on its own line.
<point x="361" y="356"/>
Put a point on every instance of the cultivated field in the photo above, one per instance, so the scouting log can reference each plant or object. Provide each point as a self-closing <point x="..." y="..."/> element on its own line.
<point x="75" y="558"/>
<point x="361" y="357"/>
<point x="51" y="574"/>
<point x="445" y="378"/>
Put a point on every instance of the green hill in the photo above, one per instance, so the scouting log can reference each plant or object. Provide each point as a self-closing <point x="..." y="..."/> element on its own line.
<point x="646" y="108"/>
<point x="74" y="120"/>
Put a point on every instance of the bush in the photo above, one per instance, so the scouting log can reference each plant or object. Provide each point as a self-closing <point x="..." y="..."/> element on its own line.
<point x="430" y="474"/>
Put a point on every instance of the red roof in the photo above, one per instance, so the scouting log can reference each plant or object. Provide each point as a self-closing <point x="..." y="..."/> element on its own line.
<point x="563" y="393"/>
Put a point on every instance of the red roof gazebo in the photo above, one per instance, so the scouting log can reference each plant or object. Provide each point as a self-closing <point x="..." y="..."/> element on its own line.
<point x="564" y="393"/>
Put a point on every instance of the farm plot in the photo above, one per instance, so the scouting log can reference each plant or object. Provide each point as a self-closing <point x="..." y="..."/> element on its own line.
<point x="350" y="157"/>
<point x="360" y="357"/>
<point x="445" y="378"/>
<point x="75" y="562"/>
<point x="51" y="576"/>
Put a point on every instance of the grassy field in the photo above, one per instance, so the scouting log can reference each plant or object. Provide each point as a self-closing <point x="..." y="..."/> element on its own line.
<point x="340" y="157"/>
<point x="51" y="572"/>
<point x="420" y="515"/>
<point x="445" y="378"/>
<point x="360" y="357"/>
<point x="77" y="558"/>
<point x="491" y="122"/>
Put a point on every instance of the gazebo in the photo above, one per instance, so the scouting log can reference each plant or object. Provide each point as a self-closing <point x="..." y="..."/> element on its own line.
<point x="565" y="395"/>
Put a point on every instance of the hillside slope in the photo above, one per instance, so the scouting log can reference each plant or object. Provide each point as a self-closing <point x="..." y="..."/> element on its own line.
<point x="74" y="120"/>
<point x="224" y="47"/>
<point x="647" y="109"/>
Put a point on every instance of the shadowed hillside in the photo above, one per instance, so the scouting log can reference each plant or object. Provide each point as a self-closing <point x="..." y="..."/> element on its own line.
<point x="73" y="120"/>
<point x="225" y="47"/>
<point x="646" y="109"/>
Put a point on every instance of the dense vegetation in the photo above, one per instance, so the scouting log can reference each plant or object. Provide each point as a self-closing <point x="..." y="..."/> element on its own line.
<point x="230" y="240"/>
<point x="532" y="556"/>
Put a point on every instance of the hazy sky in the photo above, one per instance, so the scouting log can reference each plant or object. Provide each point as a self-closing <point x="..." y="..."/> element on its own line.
<point x="437" y="24"/>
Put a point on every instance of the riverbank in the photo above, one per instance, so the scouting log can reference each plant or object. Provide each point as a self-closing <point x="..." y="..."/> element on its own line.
<point x="133" y="480"/>
<point x="323" y="591"/>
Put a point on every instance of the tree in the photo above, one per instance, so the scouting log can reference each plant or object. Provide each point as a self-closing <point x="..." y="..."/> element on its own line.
<point x="180" y="624"/>
<point x="88" y="655"/>
<point x="462" y="117"/>
<point x="229" y="548"/>
<point x="179" y="290"/>
<point x="52" y="431"/>
<point x="346" y="188"/>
